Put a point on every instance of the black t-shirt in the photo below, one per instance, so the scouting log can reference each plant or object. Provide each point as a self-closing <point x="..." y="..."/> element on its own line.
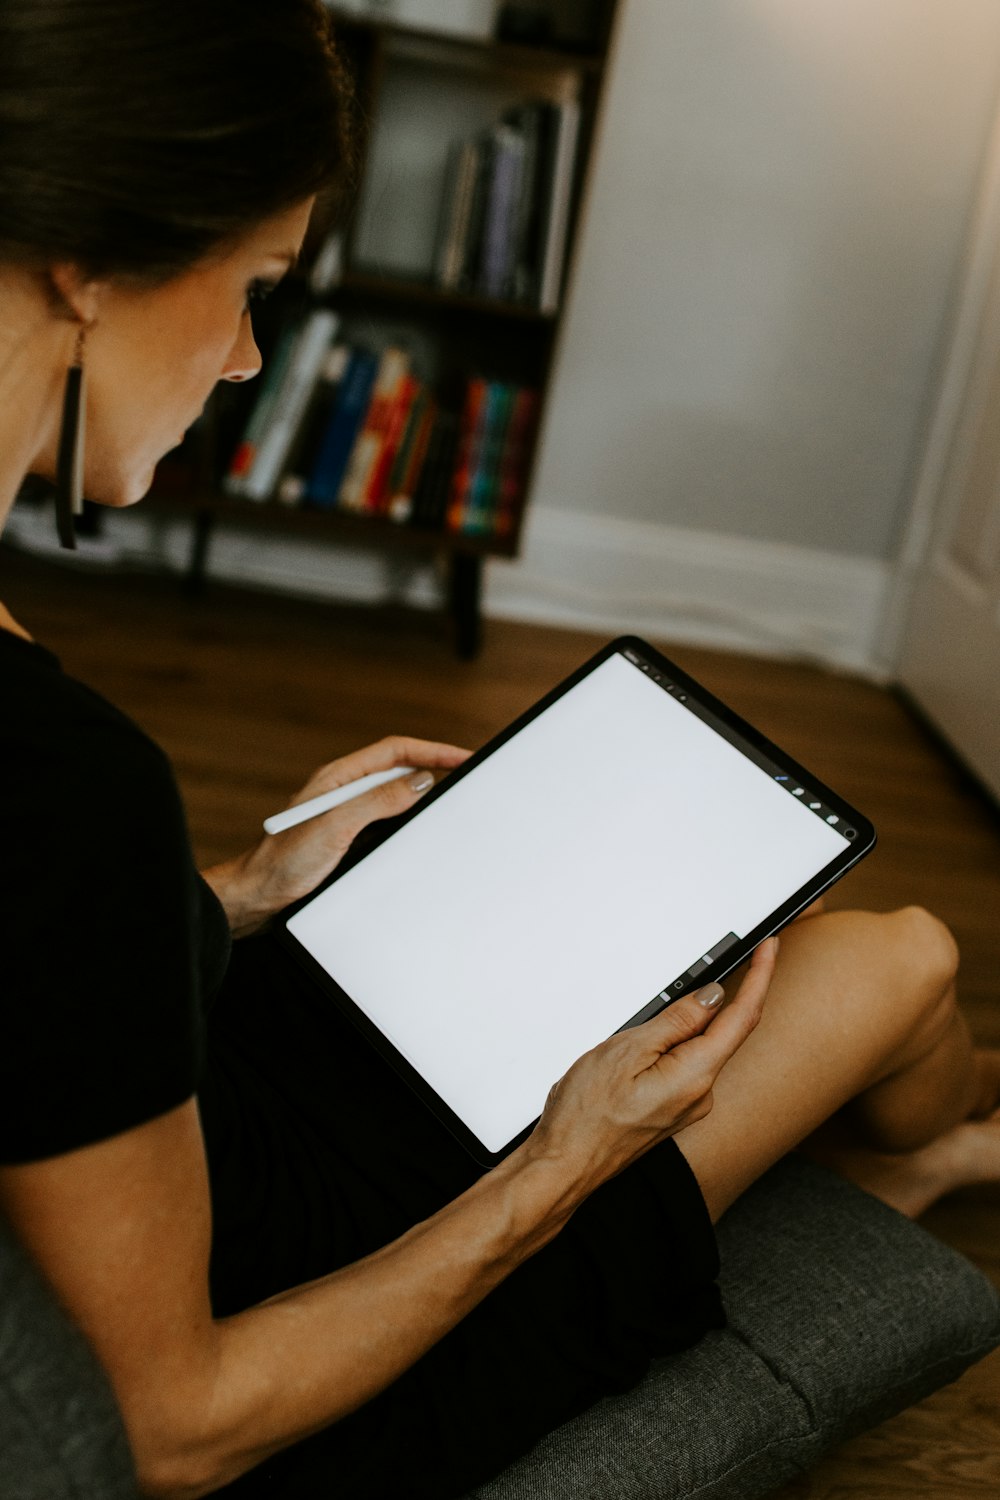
<point x="111" y="943"/>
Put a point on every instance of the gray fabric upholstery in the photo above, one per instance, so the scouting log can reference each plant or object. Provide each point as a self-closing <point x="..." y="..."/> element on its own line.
<point x="60" y="1434"/>
<point x="841" y="1313"/>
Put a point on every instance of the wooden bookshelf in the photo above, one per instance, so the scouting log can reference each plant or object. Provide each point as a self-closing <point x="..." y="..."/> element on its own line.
<point x="417" y="90"/>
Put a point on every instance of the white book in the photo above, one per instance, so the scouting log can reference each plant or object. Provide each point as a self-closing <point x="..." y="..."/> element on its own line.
<point x="311" y="349"/>
<point x="558" y="216"/>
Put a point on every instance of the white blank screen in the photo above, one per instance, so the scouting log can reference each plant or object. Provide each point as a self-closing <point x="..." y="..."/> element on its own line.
<point x="552" y="892"/>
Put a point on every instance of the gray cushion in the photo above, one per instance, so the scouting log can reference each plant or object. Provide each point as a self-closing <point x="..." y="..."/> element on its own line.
<point x="60" y="1434"/>
<point x="841" y="1313"/>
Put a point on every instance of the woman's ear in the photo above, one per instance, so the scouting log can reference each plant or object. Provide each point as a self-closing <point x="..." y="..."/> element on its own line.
<point x="77" y="293"/>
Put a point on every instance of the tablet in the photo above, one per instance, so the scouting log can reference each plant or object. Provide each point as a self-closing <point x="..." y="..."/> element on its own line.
<point x="626" y="840"/>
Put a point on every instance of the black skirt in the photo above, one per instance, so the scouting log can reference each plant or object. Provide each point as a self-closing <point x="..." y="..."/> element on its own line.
<point x="318" y="1154"/>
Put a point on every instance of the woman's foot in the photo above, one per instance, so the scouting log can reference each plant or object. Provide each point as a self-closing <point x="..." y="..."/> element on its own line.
<point x="986" y="1063"/>
<point x="913" y="1180"/>
<point x="964" y="1156"/>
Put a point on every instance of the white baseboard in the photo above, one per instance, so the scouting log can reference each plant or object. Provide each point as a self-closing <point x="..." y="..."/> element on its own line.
<point x="696" y="587"/>
<point x="578" y="571"/>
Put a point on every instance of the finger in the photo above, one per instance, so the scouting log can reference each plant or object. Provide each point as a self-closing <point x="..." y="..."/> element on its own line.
<point x="687" y="1021"/>
<point x="396" y="750"/>
<point x="386" y="801"/>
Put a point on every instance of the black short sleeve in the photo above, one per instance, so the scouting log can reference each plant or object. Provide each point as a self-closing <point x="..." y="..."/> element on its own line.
<point x="100" y="1020"/>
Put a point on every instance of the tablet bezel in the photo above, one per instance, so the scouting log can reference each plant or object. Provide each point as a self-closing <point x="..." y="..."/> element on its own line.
<point x="376" y="834"/>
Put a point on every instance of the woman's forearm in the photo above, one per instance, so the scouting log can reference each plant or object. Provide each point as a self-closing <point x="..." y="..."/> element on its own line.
<point x="310" y="1356"/>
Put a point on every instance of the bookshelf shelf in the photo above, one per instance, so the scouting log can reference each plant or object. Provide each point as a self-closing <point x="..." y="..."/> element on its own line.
<point x="359" y="282"/>
<point x="486" y="52"/>
<point x="434" y="331"/>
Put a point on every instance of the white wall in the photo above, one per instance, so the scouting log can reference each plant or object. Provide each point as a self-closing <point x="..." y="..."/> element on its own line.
<point x="767" y="266"/>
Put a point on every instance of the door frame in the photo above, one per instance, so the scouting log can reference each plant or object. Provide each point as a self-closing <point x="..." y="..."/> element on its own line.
<point x="964" y="367"/>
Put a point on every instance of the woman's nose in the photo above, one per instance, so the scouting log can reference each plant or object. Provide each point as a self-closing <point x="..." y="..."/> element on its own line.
<point x="244" y="360"/>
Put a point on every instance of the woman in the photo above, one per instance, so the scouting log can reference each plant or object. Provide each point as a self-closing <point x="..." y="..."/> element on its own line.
<point x="293" y="1277"/>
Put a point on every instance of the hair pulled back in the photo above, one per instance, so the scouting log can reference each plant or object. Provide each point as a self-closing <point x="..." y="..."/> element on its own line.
<point x="137" y="135"/>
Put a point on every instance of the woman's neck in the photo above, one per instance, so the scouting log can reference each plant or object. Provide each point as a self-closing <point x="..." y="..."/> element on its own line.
<point x="35" y="351"/>
<point x="7" y="622"/>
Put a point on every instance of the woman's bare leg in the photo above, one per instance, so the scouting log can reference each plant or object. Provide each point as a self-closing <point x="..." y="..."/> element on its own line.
<point x="860" y="1024"/>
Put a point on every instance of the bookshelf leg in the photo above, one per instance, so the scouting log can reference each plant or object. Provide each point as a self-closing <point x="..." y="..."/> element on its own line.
<point x="201" y="537"/>
<point x="466" y="590"/>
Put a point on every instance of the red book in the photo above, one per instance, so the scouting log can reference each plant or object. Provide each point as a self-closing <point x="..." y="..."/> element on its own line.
<point x="410" y="458"/>
<point x="514" y="461"/>
<point x="469" y="443"/>
<point x="395" y="418"/>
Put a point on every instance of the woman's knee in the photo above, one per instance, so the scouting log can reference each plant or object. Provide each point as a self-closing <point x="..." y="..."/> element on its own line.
<point x="928" y="954"/>
<point x="893" y="974"/>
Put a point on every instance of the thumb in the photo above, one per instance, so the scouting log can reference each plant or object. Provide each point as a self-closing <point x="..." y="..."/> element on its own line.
<point x="684" y="1018"/>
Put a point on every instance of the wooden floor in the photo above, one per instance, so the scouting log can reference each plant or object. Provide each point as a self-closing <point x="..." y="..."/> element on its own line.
<point x="248" y="693"/>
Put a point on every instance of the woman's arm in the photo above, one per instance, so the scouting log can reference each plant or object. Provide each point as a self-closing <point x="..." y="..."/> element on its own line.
<point x="123" y="1231"/>
<point x="282" y="867"/>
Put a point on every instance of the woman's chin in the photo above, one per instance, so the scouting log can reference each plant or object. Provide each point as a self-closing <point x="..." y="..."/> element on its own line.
<point x="125" y="490"/>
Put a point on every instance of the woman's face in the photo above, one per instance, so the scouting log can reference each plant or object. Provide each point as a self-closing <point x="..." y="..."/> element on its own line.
<point x="153" y="356"/>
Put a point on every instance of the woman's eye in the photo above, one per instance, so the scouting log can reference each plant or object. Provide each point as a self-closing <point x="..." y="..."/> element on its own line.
<point x="257" y="292"/>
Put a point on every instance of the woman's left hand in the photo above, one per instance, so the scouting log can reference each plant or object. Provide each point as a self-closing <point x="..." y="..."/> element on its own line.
<point x="285" y="866"/>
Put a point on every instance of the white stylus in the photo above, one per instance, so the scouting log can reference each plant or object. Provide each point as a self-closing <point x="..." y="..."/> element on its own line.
<point x="323" y="803"/>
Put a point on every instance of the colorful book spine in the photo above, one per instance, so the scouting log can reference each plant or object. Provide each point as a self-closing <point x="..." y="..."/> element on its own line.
<point x="472" y="428"/>
<point x="322" y="404"/>
<point x="242" y="462"/>
<point x="311" y="349"/>
<point x="410" y="460"/>
<point x="512" y="475"/>
<point x="393" y="367"/>
<point x="483" y="490"/>
<point x="337" y="441"/>
<point x="396" y="418"/>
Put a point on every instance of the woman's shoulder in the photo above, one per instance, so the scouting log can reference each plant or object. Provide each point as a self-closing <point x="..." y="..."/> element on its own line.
<point x="52" y="717"/>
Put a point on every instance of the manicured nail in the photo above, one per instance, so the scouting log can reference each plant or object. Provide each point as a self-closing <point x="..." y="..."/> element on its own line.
<point x="422" y="782"/>
<point x="711" y="996"/>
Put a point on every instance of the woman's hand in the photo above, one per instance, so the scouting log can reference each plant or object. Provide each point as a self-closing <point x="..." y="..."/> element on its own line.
<point x="285" y="866"/>
<point x="647" y="1083"/>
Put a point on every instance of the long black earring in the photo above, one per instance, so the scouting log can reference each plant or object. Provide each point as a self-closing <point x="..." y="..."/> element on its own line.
<point x="69" y="459"/>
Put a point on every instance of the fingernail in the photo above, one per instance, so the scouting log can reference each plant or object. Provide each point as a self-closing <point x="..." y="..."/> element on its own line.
<point x="422" y="782"/>
<point x="711" y="996"/>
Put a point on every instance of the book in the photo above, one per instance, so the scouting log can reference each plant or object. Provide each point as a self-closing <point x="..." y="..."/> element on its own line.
<point x="393" y="367"/>
<point x="563" y="163"/>
<point x="434" y="485"/>
<point x="311" y="347"/>
<point x="512" y="475"/>
<point x="397" y="416"/>
<point x="406" y="471"/>
<point x="244" y="456"/>
<point x="456" y="210"/>
<point x="468" y="276"/>
<point x="337" y="441"/>
<point x="530" y="119"/>
<point x="473" y="423"/>
<point x="483" y="489"/>
<point x="319" y="411"/>
<point x="501" y="214"/>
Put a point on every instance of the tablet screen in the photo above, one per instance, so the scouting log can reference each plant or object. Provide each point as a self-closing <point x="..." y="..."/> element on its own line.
<point x="614" y="851"/>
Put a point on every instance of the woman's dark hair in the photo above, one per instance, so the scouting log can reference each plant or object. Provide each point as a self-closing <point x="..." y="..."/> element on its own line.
<point x="137" y="135"/>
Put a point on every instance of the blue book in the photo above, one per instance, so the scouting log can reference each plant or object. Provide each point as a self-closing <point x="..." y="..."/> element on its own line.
<point x="335" y="446"/>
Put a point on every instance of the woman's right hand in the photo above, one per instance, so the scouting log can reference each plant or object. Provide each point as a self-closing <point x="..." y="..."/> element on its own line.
<point x="647" y="1083"/>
